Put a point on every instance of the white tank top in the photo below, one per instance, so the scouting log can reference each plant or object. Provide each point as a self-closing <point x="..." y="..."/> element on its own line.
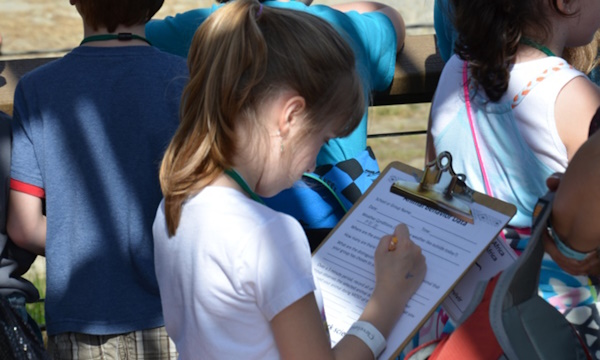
<point x="520" y="147"/>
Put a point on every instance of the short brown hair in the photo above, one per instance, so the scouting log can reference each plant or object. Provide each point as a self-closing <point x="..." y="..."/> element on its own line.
<point x="112" y="13"/>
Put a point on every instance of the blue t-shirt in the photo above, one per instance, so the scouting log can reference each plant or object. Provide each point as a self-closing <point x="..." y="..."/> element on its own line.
<point x="445" y="33"/>
<point x="89" y="132"/>
<point x="371" y="35"/>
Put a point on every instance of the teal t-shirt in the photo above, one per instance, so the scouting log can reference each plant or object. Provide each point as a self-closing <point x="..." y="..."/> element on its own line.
<point x="371" y="35"/>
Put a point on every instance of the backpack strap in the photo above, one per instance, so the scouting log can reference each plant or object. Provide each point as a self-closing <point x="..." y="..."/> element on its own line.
<point x="525" y="325"/>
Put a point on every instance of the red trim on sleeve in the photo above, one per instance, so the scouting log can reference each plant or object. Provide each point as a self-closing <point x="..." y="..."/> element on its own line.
<point x="27" y="188"/>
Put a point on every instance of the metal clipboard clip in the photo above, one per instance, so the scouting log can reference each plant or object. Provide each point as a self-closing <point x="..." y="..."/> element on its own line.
<point x="440" y="188"/>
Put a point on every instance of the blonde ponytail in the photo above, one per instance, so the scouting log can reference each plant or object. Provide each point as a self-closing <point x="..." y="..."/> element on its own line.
<point x="241" y="55"/>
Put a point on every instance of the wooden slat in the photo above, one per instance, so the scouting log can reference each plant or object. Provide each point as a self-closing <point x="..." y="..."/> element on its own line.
<point x="418" y="68"/>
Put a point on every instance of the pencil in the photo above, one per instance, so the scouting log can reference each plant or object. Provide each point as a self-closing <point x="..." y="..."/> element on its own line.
<point x="393" y="243"/>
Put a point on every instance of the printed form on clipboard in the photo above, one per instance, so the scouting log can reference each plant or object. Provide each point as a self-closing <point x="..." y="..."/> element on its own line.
<point x="451" y="223"/>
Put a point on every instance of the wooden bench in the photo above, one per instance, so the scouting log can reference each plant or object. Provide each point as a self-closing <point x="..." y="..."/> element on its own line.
<point x="418" y="69"/>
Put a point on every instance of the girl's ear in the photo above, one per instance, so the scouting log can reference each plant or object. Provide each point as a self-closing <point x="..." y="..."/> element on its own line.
<point x="291" y="114"/>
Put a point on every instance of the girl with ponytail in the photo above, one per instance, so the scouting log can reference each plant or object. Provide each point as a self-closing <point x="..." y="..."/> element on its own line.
<point x="268" y="87"/>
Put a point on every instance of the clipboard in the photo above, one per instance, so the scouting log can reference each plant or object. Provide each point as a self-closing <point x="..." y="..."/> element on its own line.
<point x="452" y="223"/>
<point x="450" y="195"/>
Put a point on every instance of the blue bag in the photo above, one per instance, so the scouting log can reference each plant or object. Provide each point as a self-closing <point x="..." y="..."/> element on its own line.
<point x="321" y="198"/>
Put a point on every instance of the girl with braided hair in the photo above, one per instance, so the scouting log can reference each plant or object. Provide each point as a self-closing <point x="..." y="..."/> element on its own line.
<point x="512" y="112"/>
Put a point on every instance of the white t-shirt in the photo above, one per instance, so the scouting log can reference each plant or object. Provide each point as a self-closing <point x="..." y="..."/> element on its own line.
<point x="231" y="267"/>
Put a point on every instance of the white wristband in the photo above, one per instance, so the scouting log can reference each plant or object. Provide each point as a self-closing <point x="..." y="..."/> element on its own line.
<point x="369" y="335"/>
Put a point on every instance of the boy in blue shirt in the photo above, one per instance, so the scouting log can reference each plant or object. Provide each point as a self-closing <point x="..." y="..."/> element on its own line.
<point x="89" y="131"/>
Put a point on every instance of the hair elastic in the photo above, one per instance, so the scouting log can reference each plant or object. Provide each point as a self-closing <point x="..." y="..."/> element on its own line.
<point x="562" y="247"/>
<point x="259" y="12"/>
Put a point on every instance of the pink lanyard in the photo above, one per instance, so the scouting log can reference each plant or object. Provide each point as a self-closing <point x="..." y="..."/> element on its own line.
<point x="486" y="182"/>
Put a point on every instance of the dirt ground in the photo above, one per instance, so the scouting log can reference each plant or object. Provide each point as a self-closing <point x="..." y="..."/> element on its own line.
<point x="51" y="27"/>
<point x="47" y="27"/>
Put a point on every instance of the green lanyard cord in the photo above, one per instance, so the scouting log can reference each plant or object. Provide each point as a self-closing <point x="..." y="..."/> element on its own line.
<point x="319" y="180"/>
<point x="533" y="44"/>
<point x="119" y="36"/>
<point x="244" y="185"/>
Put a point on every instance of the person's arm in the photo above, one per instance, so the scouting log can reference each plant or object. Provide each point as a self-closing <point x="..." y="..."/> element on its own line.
<point x="398" y="274"/>
<point x="588" y="266"/>
<point x="575" y="106"/>
<point x="576" y="206"/>
<point x="369" y="6"/>
<point x="444" y="29"/>
<point x="26" y="224"/>
<point x="300" y="324"/>
<point x="174" y="34"/>
<point x="575" y="210"/>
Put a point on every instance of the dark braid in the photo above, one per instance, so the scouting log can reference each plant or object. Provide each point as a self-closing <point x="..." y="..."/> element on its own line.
<point x="489" y="34"/>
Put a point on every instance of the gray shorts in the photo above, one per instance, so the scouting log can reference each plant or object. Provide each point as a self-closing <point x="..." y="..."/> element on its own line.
<point x="150" y="344"/>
